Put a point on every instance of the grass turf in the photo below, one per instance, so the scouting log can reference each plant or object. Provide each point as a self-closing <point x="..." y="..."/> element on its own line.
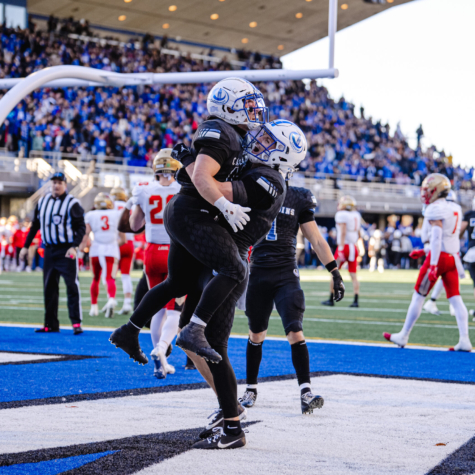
<point x="384" y="299"/>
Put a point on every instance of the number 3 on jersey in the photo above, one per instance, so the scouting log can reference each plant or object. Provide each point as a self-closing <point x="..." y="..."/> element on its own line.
<point x="272" y="234"/>
<point x="157" y="202"/>
<point x="105" y="220"/>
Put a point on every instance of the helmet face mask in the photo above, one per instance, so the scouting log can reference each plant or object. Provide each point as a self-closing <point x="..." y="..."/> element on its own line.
<point x="164" y="164"/>
<point x="433" y="187"/>
<point x="103" y="201"/>
<point x="238" y="102"/>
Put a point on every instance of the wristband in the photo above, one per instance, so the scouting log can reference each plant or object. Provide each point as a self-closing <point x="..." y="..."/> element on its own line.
<point x="331" y="266"/>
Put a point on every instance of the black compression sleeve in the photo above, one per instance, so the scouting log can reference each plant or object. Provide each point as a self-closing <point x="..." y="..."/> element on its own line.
<point x="307" y="216"/>
<point x="218" y="154"/>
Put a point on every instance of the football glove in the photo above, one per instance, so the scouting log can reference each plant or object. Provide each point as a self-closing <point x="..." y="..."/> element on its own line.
<point x="234" y="214"/>
<point x="433" y="273"/>
<point x="338" y="286"/>
<point x="183" y="154"/>
<point x="417" y="253"/>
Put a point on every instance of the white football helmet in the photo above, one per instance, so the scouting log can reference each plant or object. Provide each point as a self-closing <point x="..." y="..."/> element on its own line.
<point x="452" y="196"/>
<point x="227" y="100"/>
<point x="279" y="144"/>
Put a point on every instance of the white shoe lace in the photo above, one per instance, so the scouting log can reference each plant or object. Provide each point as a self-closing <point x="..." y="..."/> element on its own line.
<point x="215" y="413"/>
<point x="218" y="432"/>
<point x="248" y="396"/>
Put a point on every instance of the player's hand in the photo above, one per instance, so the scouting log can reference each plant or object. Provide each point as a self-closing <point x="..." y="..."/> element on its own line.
<point x="417" y="253"/>
<point x="433" y="273"/>
<point x="23" y="253"/>
<point x="338" y="286"/>
<point x="234" y="214"/>
<point x="71" y="253"/>
<point x="182" y="153"/>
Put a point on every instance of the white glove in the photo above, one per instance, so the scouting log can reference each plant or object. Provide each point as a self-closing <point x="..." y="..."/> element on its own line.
<point x="235" y="214"/>
<point x="129" y="204"/>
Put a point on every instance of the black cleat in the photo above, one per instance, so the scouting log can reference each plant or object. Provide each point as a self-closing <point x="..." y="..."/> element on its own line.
<point x="218" y="421"/>
<point x="354" y="305"/>
<point x="309" y="402"/>
<point x="219" y="440"/>
<point x="192" y="338"/>
<point x="128" y="341"/>
<point x="47" y="330"/>
<point x="328" y="303"/>
<point x="77" y="329"/>
<point x="248" y="399"/>
<point x="189" y="363"/>
<point x="169" y="351"/>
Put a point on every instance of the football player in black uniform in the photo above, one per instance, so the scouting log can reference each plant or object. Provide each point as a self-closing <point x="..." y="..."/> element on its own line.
<point x="468" y="224"/>
<point x="198" y="240"/>
<point x="274" y="280"/>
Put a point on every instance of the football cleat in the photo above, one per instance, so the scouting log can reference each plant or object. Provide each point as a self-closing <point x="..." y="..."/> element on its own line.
<point x="398" y="338"/>
<point x="217" y="420"/>
<point x="354" y="305"/>
<point x="162" y="368"/>
<point x="77" y="329"/>
<point x="309" y="402"/>
<point x="464" y="344"/>
<point x="94" y="312"/>
<point x="471" y="312"/>
<point x="452" y="310"/>
<point x="109" y="307"/>
<point x="169" y="350"/>
<point x="328" y="303"/>
<point x="128" y="341"/>
<point x="192" y="338"/>
<point x="219" y="440"/>
<point x="125" y="310"/>
<point x="46" y="330"/>
<point x="431" y="307"/>
<point x="170" y="369"/>
<point x="189" y="363"/>
<point x="248" y="399"/>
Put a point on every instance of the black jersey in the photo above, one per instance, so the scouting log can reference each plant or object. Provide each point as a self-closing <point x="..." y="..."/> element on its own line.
<point x="264" y="192"/>
<point x="279" y="245"/>
<point x="469" y="216"/>
<point x="222" y="142"/>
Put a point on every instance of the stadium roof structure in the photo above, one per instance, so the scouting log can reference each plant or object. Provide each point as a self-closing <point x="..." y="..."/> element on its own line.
<point x="271" y="27"/>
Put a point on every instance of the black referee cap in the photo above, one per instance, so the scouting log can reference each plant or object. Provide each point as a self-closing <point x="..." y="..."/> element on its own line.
<point x="59" y="176"/>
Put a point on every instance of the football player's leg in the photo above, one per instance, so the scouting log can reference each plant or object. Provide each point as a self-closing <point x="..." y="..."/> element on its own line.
<point x="110" y="271"/>
<point x="96" y="279"/>
<point x="140" y="290"/>
<point x="430" y="306"/>
<point x="259" y="305"/>
<point x="125" y="266"/>
<point x="352" y="269"/>
<point x="471" y="269"/>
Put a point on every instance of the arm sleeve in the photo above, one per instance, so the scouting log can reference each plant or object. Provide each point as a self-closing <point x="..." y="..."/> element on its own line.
<point x="35" y="227"/>
<point x="77" y="223"/>
<point x="435" y="244"/>
<point x="256" y="191"/>
<point x="307" y="210"/>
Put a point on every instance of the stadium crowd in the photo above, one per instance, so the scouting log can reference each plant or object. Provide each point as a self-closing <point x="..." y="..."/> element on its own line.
<point x="134" y="123"/>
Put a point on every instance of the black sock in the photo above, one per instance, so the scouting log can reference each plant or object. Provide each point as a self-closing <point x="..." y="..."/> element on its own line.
<point x="232" y="427"/>
<point x="433" y="299"/>
<point x="301" y="361"/>
<point x="356" y="298"/>
<point x="331" y="297"/>
<point x="253" y="361"/>
<point x="305" y="390"/>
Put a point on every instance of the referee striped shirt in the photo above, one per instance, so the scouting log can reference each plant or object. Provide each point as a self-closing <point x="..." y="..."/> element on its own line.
<point x="60" y="219"/>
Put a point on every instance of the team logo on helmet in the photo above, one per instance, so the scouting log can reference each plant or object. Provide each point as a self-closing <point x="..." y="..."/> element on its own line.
<point x="220" y="96"/>
<point x="296" y="142"/>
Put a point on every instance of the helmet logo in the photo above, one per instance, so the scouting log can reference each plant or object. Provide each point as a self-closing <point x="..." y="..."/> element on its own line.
<point x="296" y="142"/>
<point x="220" y="96"/>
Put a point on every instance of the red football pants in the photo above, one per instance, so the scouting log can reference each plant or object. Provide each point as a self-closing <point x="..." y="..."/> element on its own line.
<point x="96" y="277"/>
<point x="126" y="257"/>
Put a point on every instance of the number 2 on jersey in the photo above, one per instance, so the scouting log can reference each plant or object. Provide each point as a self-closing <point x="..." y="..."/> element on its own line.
<point x="157" y="202"/>
<point x="272" y="234"/>
<point x="105" y="220"/>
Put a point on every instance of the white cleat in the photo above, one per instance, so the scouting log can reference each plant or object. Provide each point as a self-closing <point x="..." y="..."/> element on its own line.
<point x="126" y="309"/>
<point x="161" y="365"/>
<point x="398" y="338"/>
<point x="452" y="310"/>
<point x="94" y="310"/>
<point x="109" y="307"/>
<point x="463" y="345"/>
<point x="472" y="313"/>
<point x="431" y="307"/>
<point x="170" y="369"/>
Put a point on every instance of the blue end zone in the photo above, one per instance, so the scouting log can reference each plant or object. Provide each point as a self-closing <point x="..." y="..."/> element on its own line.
<point x="52" y="467"/>
<point x="114" y="371"/>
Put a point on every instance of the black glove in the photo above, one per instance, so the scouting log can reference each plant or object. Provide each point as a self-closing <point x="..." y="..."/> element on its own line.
<point x="183" y="154"/>
<point x="338" y="286"/>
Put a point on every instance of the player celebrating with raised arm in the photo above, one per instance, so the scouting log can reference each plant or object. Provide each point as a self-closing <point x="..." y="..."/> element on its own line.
<point x="150" y="200"/>
<point x="348" y="224"/>
<point x="120" y="198"/>
<point x="104" y="251"/>
<point x="274" y="280"/>
<point x="441" y="261"/>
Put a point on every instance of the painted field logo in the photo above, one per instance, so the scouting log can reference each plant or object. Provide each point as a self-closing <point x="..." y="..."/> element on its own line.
<point x="296" y="142"/>
<point x="220" y="96"/>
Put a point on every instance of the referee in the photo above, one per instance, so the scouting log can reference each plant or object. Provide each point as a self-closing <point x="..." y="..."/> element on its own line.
<point x="60" y="218"/>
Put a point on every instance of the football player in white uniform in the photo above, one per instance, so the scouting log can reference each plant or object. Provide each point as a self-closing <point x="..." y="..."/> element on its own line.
<point x="104" y="250"/>
<point x="442" y="260"/>
<point x="348" y="224"/>
<point x="126" y="253"/>
<point x="150" y="200"/>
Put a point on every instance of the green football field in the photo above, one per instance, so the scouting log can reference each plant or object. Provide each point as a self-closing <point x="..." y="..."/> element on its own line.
<point x="384" y="299"/>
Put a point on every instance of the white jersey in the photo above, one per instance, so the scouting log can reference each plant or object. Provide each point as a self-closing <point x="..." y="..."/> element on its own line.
<point x="352" y="219"/>
<point x="103" y="223"/>
<point x="119" y="206"/>
<point x="451" y="215"/>
<point x="152" y="199"/>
